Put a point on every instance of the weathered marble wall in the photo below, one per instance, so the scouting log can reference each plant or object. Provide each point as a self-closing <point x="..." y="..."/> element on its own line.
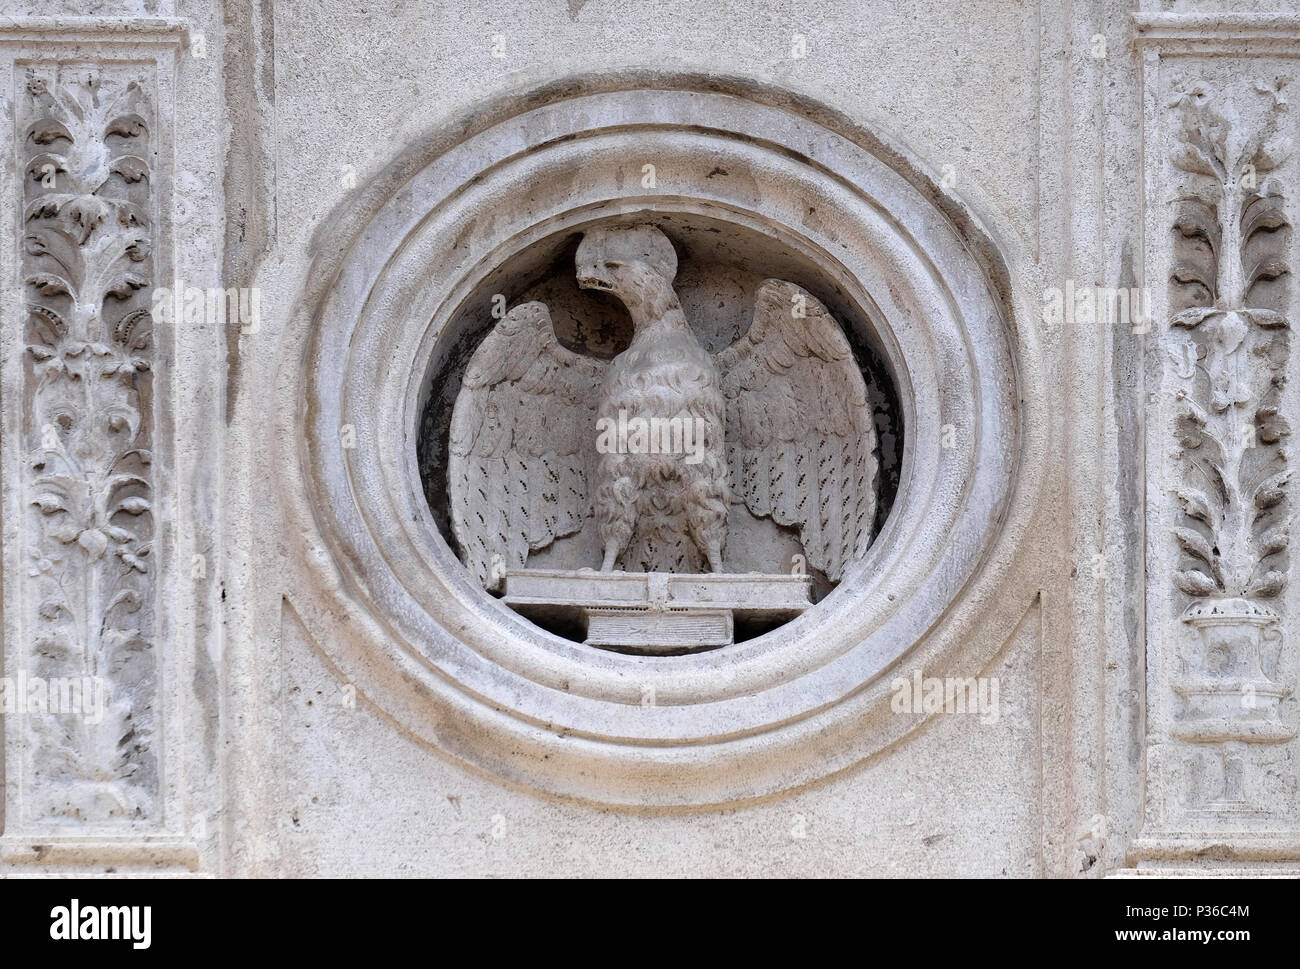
<point x="238" y="233"/>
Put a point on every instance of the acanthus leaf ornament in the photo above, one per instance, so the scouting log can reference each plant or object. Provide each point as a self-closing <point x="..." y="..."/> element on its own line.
<point x="89" y="486"/>
<point x="1230" y="242"/>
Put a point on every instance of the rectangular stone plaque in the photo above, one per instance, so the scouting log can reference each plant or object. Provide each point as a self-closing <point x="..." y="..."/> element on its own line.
<point x="654" y="611"/>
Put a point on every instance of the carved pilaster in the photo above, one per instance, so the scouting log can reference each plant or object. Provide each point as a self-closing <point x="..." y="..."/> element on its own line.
<point x="91" y="752"/>
<point x="1221" y="715"/>
<point x="88" y="437"/>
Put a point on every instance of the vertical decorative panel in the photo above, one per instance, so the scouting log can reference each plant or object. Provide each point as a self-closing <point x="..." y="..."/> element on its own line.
<point x="91" y="769"/>
<point x="1222" y="773"/>
<point x="88" y="244"/>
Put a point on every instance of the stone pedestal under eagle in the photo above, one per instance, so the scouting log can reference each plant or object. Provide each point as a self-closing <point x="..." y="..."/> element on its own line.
<point x="656" y="443"/>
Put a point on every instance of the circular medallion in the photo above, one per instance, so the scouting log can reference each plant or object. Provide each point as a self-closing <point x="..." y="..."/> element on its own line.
<point x="746" y="185"/>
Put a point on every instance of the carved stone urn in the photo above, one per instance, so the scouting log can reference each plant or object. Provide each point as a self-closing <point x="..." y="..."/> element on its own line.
<point x="1228" y="697"/>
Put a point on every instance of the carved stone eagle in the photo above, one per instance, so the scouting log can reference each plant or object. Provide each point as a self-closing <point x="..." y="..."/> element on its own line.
<point x="779" y="421"/>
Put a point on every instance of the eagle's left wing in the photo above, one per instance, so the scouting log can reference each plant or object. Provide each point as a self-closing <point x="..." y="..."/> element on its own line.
<point x="801" y="442"/>
<point x="522" y="431"/>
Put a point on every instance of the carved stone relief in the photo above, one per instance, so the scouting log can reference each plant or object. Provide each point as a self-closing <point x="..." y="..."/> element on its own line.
<point x="84" y="140"/>
<point x="463" y="326"/>
<point x="1223" y="722"/>
<point x="419" y="533"/>
<point x="758" y="458"/>
<point x="1231" y="248"/>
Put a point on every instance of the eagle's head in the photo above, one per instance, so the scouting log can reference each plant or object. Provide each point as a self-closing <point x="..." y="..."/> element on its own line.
<point x="626" y="261"/>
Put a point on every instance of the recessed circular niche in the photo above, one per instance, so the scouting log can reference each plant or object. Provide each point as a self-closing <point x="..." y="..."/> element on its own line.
<point x="793" y="191"/>
<point x="721" y="266"/>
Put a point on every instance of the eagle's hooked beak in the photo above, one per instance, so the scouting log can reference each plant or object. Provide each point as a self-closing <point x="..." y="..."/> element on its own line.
<point x="599" y="276"/>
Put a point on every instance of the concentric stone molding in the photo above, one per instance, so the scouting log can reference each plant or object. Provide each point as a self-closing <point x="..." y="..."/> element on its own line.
<point x="461" y="671"/>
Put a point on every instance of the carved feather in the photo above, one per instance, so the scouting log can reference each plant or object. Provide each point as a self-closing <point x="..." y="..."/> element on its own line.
<point x="801" y="439"/>
<point x="522" y="424"/>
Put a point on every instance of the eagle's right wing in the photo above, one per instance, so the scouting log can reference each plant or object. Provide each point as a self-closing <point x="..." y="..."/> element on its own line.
<point x="801" y="440"/>
<point x="521" y="433"/>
